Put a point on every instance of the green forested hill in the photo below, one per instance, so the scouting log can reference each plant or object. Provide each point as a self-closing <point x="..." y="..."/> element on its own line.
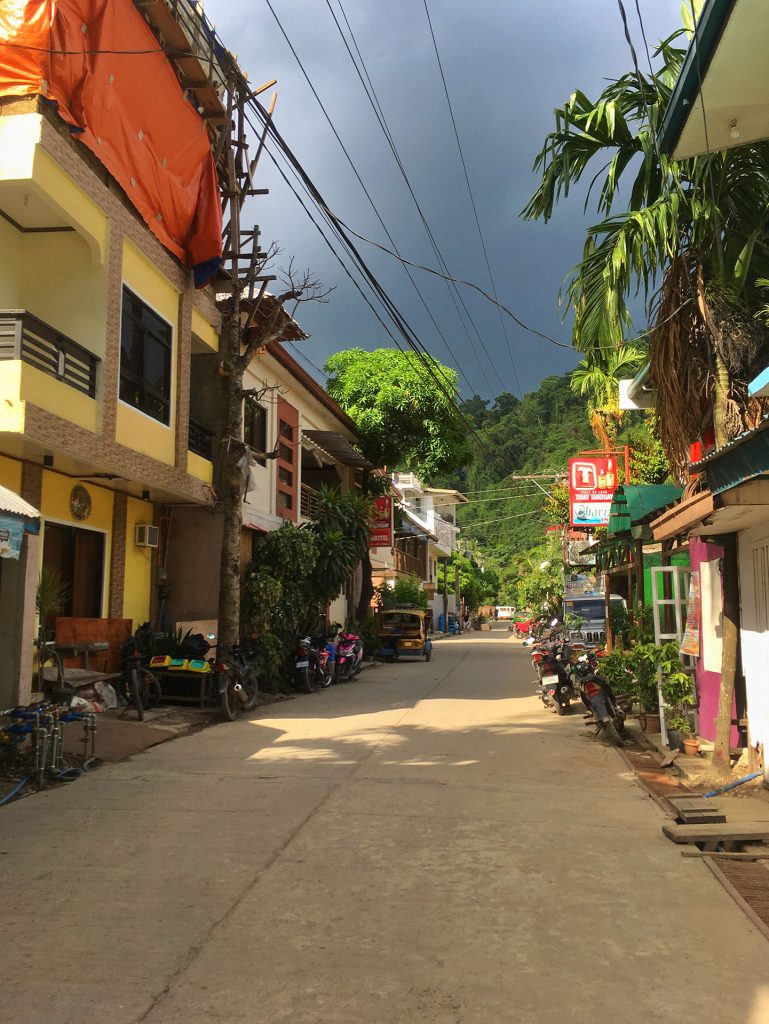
<point x="537" y="434"/>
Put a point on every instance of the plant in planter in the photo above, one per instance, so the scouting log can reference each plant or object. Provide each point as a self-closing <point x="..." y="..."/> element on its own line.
<point x="677" y="690"/>
<point x="643" y="660"/>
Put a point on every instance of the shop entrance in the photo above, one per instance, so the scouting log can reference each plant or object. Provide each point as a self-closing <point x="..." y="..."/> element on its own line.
<point x="78" y="556"/>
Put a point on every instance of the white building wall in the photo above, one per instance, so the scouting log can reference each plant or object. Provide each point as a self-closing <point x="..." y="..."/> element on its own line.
<point x="753" y="556"/>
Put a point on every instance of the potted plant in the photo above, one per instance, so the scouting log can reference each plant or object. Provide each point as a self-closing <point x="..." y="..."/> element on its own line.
<point x="677" y="693"/>
<point x="643" y="660"/>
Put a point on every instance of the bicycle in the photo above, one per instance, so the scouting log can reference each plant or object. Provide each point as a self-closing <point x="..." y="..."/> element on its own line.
<point x="138" y="686"/>
<point x="236" y="682"/>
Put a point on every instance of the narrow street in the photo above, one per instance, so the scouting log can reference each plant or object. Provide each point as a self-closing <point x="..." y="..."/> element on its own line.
<point x="424" y="846"/>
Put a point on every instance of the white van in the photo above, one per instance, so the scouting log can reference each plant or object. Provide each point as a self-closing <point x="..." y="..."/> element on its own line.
<point x="505" y="611"/>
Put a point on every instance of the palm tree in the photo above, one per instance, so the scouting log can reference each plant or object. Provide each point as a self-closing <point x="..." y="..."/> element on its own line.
<point x="599" y="380"/>
<point x="692" y="238"/>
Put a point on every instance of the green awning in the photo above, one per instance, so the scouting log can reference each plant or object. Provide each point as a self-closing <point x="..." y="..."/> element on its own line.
<point x="633" y="504"/>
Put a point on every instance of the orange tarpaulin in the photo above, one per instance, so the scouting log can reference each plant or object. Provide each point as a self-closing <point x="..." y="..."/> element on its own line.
<point x="127" y="107"/>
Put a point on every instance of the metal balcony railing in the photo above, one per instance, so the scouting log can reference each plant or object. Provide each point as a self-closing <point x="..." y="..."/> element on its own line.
<point x="24" y="337"/>
<point x="200" y="440"/>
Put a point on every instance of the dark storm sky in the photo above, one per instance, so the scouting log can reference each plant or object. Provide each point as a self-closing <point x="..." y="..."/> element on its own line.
<point x="508" y="64"/>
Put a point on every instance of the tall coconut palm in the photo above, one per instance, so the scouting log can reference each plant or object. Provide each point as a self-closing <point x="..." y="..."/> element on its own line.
<point x="691" y="237"/>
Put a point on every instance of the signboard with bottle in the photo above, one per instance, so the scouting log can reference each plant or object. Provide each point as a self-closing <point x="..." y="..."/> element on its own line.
<point x="380" y="524"/>
<point x="592" y="482"/>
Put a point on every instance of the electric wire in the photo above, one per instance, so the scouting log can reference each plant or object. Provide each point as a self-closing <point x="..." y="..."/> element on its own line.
<point x="472" y="197"/>
<point x="398" y="321"/>
<point x="355" y="171"/>
<point x="380" y="116"/>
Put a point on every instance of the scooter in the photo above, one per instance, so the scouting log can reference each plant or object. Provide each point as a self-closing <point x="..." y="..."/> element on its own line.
<point x="349" y="655"/>
<point x="598" y="697"/>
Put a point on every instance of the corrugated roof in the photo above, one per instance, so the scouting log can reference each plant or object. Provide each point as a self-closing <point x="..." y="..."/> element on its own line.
<point x="634" y="503"/>
<point x="338" y="447"/>
<point x="11" y="502"/>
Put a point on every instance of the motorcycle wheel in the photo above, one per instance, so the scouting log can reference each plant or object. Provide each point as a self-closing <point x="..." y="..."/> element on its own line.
<point x="230" y="701"/>
<point x="251" y="687"/>
<point x="560" y="708"/>
<point x="613" y="735"/>
<point x="327" y="680"/>
<point x="151" y="696"/>
<point x="305" y="681"/>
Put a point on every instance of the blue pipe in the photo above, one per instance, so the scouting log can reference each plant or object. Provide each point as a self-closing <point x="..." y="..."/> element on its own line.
<point x="9" y="796"/>
<point x="733" y="785"/>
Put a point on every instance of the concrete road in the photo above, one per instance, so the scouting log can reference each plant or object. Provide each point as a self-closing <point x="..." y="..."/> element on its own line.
<point x="424" y="846"/>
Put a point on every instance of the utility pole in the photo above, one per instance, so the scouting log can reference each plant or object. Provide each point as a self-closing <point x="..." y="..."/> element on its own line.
<point x="445" y="594"/>
<point x="457" y="592"/>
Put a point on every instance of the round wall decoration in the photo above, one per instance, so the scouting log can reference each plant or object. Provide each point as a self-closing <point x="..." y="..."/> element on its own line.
<point x="80" y="502"/>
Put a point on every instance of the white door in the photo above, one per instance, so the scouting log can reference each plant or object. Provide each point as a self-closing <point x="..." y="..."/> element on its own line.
<point x="754" y="633"/>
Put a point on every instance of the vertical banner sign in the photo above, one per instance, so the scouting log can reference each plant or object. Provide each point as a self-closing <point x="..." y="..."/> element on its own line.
<point x="11" y="536"/>
<point x="691" y="642"/>
<point x="381" y="523"/>
<point x="591" y="485"/>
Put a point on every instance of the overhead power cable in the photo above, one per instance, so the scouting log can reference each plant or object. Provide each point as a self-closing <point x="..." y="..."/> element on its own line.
<point x="472" y="198"/>
<point x="502" y="519"/>
<point x="401" y="326"/>
<point x="379" y="114"/>
<point x="360" y="180"/>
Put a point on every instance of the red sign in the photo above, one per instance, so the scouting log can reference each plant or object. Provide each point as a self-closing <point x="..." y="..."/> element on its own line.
<point x="381" y="523"/>
<point x="592" y="482"/>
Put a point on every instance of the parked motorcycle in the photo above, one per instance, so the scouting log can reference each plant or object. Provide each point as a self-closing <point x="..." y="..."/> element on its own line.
<point x="322" y="658"/>
<point x="599" y="699"/>
<point x="554" y="670"/>
<point x="303" y="676"/>
<point x="349" y="655"/>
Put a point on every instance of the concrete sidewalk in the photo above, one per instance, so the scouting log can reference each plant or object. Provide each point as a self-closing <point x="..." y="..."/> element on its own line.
<point x="423" y="846"/>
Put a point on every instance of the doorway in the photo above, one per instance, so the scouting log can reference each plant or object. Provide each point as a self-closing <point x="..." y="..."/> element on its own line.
<point x="77" y="555"/>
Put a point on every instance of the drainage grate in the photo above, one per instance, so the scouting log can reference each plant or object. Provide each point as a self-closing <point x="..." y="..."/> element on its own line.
<point x="747" y="882"/>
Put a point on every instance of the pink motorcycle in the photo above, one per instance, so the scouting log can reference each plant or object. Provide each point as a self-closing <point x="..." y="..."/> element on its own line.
<point x="349" y="655"/>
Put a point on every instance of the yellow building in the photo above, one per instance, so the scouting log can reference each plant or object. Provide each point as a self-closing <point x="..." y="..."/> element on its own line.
<point x="100" y="326"/>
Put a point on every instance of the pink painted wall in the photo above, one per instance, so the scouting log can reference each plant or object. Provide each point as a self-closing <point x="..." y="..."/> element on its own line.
<point x="708" y="683"/>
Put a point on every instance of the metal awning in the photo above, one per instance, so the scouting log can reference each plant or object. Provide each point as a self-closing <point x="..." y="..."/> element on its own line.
<point x="11" y="503"/>
<point x="413" y="526"/>
<point x="744" y="458"/>
<point x="634" y="504"/>
<point x="338" y="447"/>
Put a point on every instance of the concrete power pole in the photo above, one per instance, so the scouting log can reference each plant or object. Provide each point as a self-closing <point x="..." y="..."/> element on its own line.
<point x="445" y="594"/>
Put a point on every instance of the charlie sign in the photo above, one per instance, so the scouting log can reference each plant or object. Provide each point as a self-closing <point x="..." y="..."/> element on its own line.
<point x="591" y="485"/>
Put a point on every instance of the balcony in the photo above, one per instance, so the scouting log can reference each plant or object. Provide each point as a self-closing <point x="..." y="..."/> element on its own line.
<point x="24" y="337"/>
<point x="200" y="440"/>
<point x="411" y="564"/>
<point x="309" y="502"/>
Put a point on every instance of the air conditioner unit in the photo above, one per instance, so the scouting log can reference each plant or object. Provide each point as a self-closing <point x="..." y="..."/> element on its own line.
<point x="146" y="536"/>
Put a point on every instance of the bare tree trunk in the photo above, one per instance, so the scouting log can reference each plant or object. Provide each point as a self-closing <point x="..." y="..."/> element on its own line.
<point x="231" y="485"/>
<point x="458" y="596"/>
<point x="720" y="400"/>
<point x="729" y="639"/>
<point x="721" y="383"/>
<point x="366" y="590"/>
<point x="445" y="595"/>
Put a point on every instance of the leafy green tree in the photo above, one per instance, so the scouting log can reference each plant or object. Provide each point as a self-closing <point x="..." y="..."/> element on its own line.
<point x="692" y="237"/>
<point x="406" y="590"/>
<point x="403" y="418"/>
